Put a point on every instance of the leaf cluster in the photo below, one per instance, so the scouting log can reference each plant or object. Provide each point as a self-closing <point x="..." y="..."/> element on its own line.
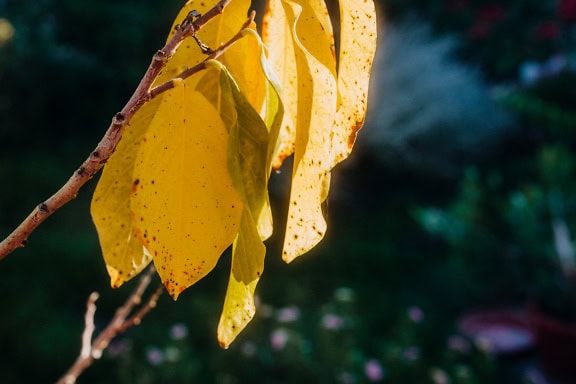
<point x="189" y="177"/>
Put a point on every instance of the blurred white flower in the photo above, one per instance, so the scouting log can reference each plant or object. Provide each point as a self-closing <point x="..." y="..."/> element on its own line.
<point x="172" y="354"/>
<point x="344" y="294"/>
<point x="346" y="378"/>
<point x="438" y="376"/>
<point x="249" y="349"/>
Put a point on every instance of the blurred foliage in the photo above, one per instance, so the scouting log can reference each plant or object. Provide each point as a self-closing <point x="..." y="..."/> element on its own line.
<point x="498" y="35"/>
<point x="71" y="64"/>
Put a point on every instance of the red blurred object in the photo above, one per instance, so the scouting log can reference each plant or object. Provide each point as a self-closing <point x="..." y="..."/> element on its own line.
<point x="492" y="12"/>
<point x="547" y="30"/>
<point x="501" y="332"/>
<point x="556" y="342"/>
<point x="567" y="10"/>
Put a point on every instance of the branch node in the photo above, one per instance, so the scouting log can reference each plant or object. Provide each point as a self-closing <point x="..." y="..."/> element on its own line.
<point x="81" y="172"/>
<point x="43" y="208"/>
<point x="119" y="119"/>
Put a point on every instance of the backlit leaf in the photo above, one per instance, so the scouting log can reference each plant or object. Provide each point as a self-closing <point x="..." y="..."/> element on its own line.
<point x="357" y="49"/>
<point x="122" y="251"/>
<point x="185" y="208"/>
<point x="317" y="96"/>
<point x="327" y="108"/>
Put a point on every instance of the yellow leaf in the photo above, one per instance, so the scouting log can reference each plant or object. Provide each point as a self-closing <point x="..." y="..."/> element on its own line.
<point x="314" y="32"/>
<point x="185" y="208"/>
<point x="277" y="35"/>
<point x="122" y="251"/>
<point x="215" y="33"/>
<point x="357" y="49"/>
<point x="317" y="97"/>
<point x="242" y="60"/>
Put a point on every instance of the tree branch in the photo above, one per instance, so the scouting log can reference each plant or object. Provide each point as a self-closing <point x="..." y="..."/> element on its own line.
<point x="107" y="145"/>
<point x="120" y="323"/>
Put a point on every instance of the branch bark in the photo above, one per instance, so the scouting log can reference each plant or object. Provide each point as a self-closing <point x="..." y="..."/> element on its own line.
<point x="120" y="323"/>
<point x="189" y="27"/>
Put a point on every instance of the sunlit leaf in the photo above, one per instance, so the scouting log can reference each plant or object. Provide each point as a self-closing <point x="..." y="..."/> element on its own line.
<point x="357" y="49"/>
<point x="122" y="251"/>
<point x="185" y="208"/>
<point x="317" y="97"/>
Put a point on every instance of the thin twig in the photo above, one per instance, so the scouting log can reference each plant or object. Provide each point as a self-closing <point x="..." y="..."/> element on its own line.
<point x="88" y="325"/>
<point x="106" y="146"/>
<point x="214" y="54"/>
<point x="120" y="323"/>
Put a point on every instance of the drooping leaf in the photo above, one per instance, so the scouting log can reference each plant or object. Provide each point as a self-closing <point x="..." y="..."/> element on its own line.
<point x="317" y="96"/>
<point x="330" y="107"/>
<point x="314" y="32"/>
<point x="357" y="49"/>
<point x="122" y="251"/>
<point x="185" y="208"/>
<point x="249" y="160"/>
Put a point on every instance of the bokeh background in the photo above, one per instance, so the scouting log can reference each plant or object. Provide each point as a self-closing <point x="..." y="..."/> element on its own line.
<point x="450" y="227"/>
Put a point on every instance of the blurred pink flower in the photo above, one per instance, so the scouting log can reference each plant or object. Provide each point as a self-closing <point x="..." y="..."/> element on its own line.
<point x="278" y="339"/>
<point x="373" y="370"/>
<point x="178" y="331"/>
<point x="154" y="356"/>
<point x="332" y="322"/>
<point x="416" y="314"/>
<point x="288" y="314"/>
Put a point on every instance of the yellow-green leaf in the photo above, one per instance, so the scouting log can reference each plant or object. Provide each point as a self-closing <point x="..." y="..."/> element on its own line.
<point x="185" y="208"/>
<point x="247" y="266"/>
<point x="247" y="163"/>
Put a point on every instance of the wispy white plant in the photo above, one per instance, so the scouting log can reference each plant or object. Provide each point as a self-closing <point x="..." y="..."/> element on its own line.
<point x="428" y="111"/>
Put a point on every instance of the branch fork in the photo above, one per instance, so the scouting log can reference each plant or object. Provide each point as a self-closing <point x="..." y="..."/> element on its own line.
<point x="143" y="93"/>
